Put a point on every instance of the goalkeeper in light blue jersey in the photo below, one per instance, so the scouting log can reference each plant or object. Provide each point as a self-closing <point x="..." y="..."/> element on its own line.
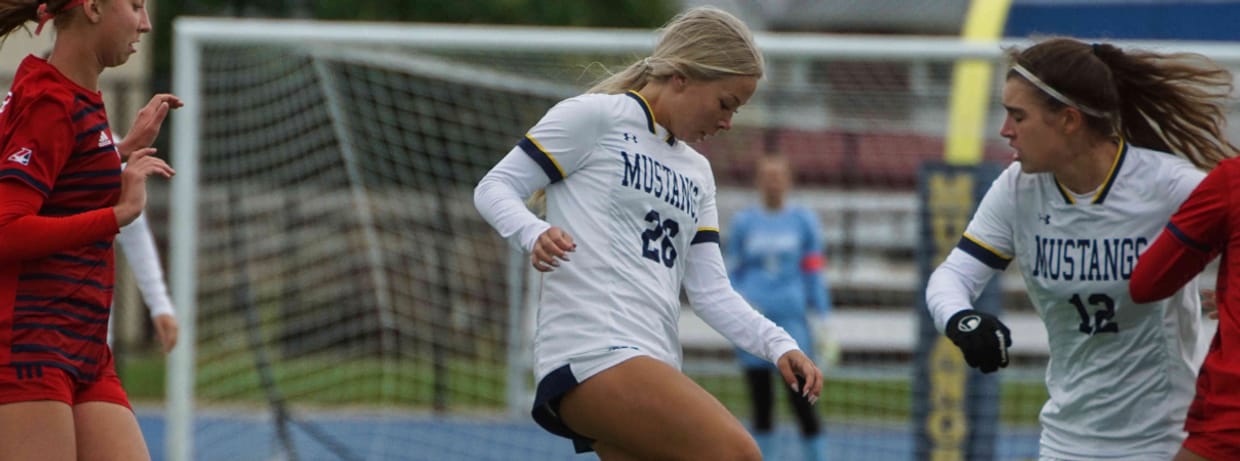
<point x="775" y="260"/>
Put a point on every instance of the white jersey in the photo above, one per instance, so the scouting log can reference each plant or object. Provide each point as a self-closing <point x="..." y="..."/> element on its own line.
<point x="1120" y="375"/>
<point x="634" y="200"/>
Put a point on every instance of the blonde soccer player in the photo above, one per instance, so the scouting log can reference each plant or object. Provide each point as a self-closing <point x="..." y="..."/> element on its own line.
<point x="1108" y="143"/>
<point x="631" y="220"/>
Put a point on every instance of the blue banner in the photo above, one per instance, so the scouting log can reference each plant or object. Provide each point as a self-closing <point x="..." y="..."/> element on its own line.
<point x="955" y="408"/>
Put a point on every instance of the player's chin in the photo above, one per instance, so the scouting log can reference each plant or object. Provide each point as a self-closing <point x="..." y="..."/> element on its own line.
<point x="1030" y="168"/>
<point x="119" y="59"/>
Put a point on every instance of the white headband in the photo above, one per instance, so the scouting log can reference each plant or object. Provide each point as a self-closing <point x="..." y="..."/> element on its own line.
<point x="1055" y="94"/>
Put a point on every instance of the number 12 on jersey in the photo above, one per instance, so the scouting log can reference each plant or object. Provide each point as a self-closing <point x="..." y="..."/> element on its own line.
<point x="1103" y="320"/>
<point x="657" y="240"/>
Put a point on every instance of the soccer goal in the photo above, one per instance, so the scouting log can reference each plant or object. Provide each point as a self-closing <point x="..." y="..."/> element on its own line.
<point x="341" y="299"/>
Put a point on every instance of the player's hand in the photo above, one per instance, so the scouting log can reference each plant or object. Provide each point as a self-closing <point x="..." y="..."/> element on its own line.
<point x="1209" y="304"/>
<point x="552" y="246"/>
<point x="982" y="337"/>
<point x="147" y="124"/>
<point x="141" y="164"/>
<point x="801" y="375"/>
<point x="166" y="329"/>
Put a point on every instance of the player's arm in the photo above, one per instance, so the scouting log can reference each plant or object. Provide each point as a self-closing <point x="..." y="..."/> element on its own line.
<point x="716" y="302"/>
<point x="500" y="198"/>
<point x="553" y="149"/>
<point x="984" y="250"/>
<point x="24" y="235"/>
<point x="950" y="293"/>
<point x="139" y="247"/>
<point x="1167" y="266"/>
<point x="138" y="244"/>
<point x="955" y="285"/>
<point x="813" y="265"/>
<point x="711" y="293"/>
<point x="1195" y="235"/>
<point x="720" y="306"/>
<point x="713" y="298"/>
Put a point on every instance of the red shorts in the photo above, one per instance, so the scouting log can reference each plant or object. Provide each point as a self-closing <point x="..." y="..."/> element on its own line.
<point x="28" y="383"/>
<point x="1217" y="446"/>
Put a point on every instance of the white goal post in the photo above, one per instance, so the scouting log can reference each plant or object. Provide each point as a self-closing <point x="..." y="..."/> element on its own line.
<point x="325" y="256"/>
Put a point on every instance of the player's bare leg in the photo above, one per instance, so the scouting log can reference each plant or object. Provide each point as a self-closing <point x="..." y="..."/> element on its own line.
<point x="645" y="409"/>
<point x="108" y="432"/>
<point x="613" y="453"/>
<point x="39" y="430"/>
<point x="1185" y="455"/>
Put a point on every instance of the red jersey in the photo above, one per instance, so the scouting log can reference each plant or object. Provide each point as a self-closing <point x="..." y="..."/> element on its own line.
<point x="56" y="141"/>
<point x="1207" y="224"/>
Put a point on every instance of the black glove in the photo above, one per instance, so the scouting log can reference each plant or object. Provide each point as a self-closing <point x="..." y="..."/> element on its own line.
<point x="982" y="337"/>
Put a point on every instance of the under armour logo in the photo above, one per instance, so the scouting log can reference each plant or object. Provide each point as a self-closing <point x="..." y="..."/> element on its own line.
<point x="1045" y="218"/>
<point x="629" y="137"/>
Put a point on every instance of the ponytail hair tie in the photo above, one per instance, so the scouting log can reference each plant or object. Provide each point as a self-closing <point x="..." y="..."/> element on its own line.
<point x="43" y="14"/>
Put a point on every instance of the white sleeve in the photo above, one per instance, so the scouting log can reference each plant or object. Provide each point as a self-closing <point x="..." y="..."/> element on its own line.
<point x="985" y="249"/>
<point x="954" y="286"/>
<point x="713" y="298"/>
<point x="716" y="302"/>
<point x="561" y="142"/>
<point x="500" y="199"/>
<point x="139" y="247"/>
<point x="553" y="149"/>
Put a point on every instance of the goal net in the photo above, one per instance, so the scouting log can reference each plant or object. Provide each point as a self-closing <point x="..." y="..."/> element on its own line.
<point x="342" y="298"/>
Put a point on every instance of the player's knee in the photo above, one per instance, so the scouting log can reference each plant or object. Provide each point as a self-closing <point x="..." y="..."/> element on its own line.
<point x="745" y="450"/>
<point x="751" y="453"/>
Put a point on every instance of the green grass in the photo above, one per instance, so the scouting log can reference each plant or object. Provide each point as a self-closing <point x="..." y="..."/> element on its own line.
<point x="474" y="386"/>
<point x="887" y="399"/>
<point x="324" y="382"/>
<point x="143" y="376"/>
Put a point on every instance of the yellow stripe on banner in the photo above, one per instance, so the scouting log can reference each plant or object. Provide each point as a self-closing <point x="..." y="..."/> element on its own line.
<point x="971" y="80"/>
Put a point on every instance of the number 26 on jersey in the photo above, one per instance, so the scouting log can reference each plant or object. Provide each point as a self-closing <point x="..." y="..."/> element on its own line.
<point x="657" y="243"/>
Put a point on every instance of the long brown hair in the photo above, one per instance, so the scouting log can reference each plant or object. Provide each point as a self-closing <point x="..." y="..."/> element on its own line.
<point x="1173" y="102"/>
<point x="16" y="13"/>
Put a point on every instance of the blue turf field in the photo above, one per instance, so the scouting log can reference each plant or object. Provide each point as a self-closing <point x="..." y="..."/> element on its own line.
<point x="240" y="438"/>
